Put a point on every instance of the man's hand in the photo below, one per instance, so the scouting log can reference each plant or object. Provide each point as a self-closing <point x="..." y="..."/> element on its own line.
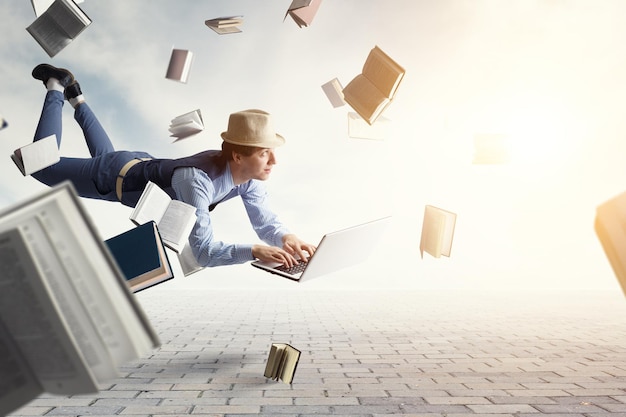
<point x="297" y="248"/>
<point x="273" y="254"/>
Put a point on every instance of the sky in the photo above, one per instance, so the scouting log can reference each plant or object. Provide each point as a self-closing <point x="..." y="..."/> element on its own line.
<point x="548" y="74"/>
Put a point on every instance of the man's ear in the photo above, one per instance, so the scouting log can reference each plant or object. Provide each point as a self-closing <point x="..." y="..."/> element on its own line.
<point x="236" y="157"/>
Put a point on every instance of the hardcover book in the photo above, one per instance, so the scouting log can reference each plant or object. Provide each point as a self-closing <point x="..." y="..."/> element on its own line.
<point x="437" y="231"/>
<point x="141" y="255"/>
<point x="58" y="25"/>
<point x="180" y="65"/>
<point x="303" y="11"/>
<point x="225" y="25"/>
<point x="610" y="227"/>
<point x="334" y="91"/>
<point x="371" y="92"/>
<point x="282" y="362"/>
<point x="68" y="321"/>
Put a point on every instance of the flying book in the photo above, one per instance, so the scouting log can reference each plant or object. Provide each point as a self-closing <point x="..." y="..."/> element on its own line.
<point x="40" y="6"/>
<point x="141" y="255"/>
<point x="334" y="91"/>
<point x="3" y="122"/>
<point x="68" y="321"/>
<point x="37" y="155"/>
<point x="174" y="218"/>
<point x="188" y="262"/>
<point x="282" y="362"/>
<point x="303" y="11"/>
<point x="610" y="227"/>
<point x="58" y="25"/>
<point x="179" y="65"/>
<point x="186" y="125"/>
<point x="491" y="148"/>
<point x="371" y="92"/>
<point x="437" y="231"/>
<point x="360" y="129"/>
<point x="225" y="25"/>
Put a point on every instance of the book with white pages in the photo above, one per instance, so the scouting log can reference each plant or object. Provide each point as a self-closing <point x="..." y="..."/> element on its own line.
<point x="68" y="322"/>
<point x="334" y="91"/>
<point x="437" y="231"/>
<point x="174" y="218"/>
<point x="37" y="155"/>
<point x="186" y="125"/>
<point x="179" y="65"/>
<point x="58" y="25"/>
<point x="188" y="262"/>
<point x="40" y="6"/>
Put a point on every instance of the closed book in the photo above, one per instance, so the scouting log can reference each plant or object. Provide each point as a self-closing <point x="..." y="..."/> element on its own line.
<point x="141" y="255"/>
<point x="179" y="65"/>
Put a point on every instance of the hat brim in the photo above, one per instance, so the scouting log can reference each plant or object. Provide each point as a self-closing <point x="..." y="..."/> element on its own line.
<point x="271" y="143"/>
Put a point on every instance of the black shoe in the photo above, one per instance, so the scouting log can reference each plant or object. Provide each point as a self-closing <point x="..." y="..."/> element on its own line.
<point x="44" y="72"/>
<point x="72" y="90"/>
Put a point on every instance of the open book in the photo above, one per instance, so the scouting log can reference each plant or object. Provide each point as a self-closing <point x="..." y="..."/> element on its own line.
<point x="179" y="65"/>
<point x="186" y="125"/>
<point x="58" y="25"/>
<point x="610" y="227"/>
<point x="174" y="218"/>
<point x="225" y="25"/>
<point x="437" y="231"/>
<point x="68" y="321"/>
<point x="40" y="6"/>
<point x="188" y="262"/>
<point x="303" y="11"/>
<point x="141" y="255"/>
<point x="370" y="92"/>
<point x="282" y="362"/>
<point x="37" y="155"/>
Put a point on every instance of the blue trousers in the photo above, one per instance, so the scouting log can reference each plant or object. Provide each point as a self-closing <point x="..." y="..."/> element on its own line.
<point x="93" y="177"/>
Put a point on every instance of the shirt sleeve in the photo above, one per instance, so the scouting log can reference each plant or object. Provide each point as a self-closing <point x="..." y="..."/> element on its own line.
<point x="194" y="187"/>
<point x="264" y="222"/>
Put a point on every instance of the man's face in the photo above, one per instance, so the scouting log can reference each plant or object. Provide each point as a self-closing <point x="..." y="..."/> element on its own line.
<point x="259" y="165"/>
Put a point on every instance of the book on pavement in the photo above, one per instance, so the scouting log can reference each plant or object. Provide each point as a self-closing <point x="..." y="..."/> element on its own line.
<point x="282" y="362"/>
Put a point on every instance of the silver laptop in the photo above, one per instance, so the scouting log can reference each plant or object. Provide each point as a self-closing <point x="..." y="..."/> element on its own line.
<point x="335" y="251"/>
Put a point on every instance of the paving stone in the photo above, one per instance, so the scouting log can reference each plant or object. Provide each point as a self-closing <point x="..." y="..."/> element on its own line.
<point x="377" y="354"/>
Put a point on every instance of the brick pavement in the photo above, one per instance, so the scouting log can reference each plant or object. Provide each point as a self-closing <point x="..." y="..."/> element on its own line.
<point x="371" y="353"/>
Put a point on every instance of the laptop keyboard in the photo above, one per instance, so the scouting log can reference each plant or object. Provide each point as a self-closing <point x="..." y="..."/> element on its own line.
<point x="296" y="269"/>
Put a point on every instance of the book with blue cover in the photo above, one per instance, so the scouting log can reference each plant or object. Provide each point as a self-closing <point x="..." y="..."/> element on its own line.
<point x="141" y="256"/>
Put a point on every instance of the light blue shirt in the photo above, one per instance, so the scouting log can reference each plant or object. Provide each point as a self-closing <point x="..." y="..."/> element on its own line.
<point x="193" y="186"/>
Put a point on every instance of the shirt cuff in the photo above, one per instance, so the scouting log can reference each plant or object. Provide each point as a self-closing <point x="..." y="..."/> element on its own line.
<point x="243" y="253"/>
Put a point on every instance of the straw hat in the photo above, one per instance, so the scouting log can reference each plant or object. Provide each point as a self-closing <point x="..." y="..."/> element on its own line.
<point x="252" y="128"/>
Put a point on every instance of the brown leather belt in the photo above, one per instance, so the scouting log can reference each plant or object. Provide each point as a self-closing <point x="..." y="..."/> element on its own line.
<point x="120" y="177"/>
